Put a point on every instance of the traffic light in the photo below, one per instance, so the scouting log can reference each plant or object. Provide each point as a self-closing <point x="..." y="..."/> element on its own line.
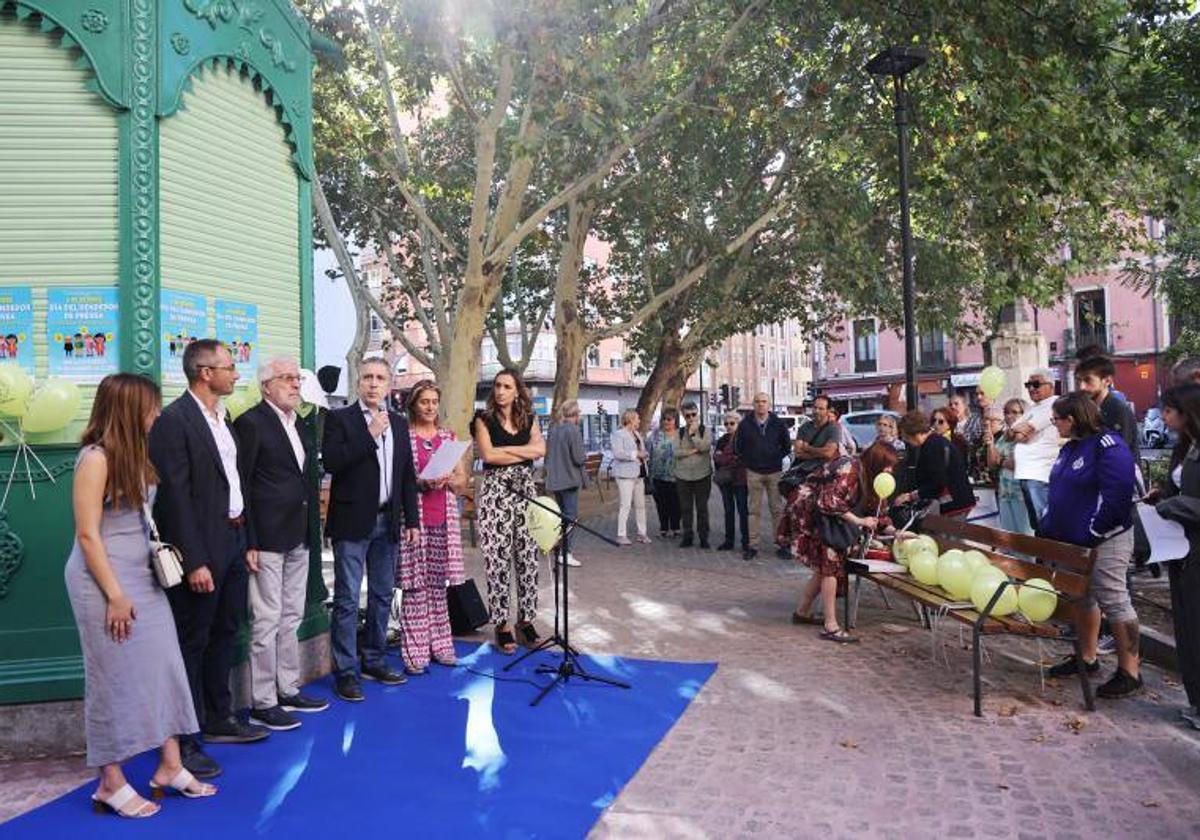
<point x="735" y="396"/>
<point x="725" y="396"/>
<point x="810" y="392"/>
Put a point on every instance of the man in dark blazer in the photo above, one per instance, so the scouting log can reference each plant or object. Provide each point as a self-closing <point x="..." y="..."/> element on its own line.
<point x="279" y="466"/>
<point x="201" y="510"/>
<point x="372" y="496"/>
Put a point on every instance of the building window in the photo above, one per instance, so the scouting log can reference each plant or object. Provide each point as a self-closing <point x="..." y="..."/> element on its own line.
<point x="762" y="356"/>
<point x="614" y="361"/>
<point x="932" y="349"/>
<point x="866" y="349"/>
<point x="1091" y="320"/>
<point x="593" y="357"/>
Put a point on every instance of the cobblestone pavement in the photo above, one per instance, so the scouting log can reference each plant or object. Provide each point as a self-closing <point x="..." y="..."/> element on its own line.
<point x="797" y="737"/>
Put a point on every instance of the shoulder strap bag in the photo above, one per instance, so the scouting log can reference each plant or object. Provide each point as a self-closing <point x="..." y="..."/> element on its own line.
<point x="165" y="558"/>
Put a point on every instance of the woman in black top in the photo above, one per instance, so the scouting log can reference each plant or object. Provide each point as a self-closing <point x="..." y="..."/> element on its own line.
<point x="1181" y="412"/>
<point x="509" y="441"/>
<point x="935" y="474"/>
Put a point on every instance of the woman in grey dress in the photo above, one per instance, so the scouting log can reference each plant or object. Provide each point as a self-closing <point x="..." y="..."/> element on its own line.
<point x="136" y="692"/>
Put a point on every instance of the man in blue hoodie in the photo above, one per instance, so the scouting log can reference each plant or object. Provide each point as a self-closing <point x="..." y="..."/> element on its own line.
<point x="1090" y="503"/>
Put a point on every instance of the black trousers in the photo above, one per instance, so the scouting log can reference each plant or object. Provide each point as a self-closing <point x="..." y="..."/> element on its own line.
<point x="736" y="500"/>
<point x="693" y="503"/>
<point x="207" y="624"/>
<point x="1185" y="610"/>
<point x="666" y="501"/>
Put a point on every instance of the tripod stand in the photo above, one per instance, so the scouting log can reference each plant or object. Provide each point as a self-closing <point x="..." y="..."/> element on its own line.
<point x="568" y="665"/>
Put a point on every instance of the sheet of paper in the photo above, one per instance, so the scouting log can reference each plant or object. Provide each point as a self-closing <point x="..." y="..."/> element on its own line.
<point x="882" y="566"/>
<point x="1167" y="539"/>
<point x="444" y="460"/>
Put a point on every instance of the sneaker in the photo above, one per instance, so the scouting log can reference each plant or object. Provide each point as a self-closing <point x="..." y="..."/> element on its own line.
<point x="233" y="731"/>
<point x="1191" y="716"/>
<point x="381" y="673"/>
<point x="1120" y="684"/>
<point x="686" y="542"/>
<point x="302" y="703"/>
<point x="348" y="688"/>
<point x="1066" y="668"/>
<point x="642" y="538"/>
<point x="274" y="718"/>
<point x="749" y="553"/>
<point x="624" y="541"/>
<point x="704" y="542"/>
<point x="725" y="546"/>
<point x="199" y="763"/>
<point x="1106" y="645"/>
<point x="571" y="561"/>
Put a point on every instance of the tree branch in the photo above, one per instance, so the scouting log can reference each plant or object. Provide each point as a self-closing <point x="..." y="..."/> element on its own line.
<point x="485" y="163"/>
<point x="401" y="274"/>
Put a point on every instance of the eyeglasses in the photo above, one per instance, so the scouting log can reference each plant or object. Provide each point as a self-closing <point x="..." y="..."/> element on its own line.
<point x="227" y="368"/>
<point x="289" y="378"/>
<point x="689" y="414"/>
<point x="1033" y="384"/>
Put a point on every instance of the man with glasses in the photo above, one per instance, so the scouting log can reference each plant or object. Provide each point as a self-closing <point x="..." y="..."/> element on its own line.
<point x="693" y="475"/>
<point x="761" y="443"/>
<point x="201" y="510"/>
<point x="279" y="465"/>
<point x="1037" y="443"/>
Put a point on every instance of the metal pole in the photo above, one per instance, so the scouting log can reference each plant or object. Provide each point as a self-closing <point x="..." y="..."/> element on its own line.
<point x="910" y="326"/>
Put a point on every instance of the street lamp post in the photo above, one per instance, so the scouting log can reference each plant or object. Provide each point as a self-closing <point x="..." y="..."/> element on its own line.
<point x="898" y="62"/>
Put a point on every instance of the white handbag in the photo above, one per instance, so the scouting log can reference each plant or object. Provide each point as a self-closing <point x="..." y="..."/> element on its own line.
<point x="164" y="557"/>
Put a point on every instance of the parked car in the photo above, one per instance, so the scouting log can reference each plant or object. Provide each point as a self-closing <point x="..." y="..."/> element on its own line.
<point x="862" y="424"/>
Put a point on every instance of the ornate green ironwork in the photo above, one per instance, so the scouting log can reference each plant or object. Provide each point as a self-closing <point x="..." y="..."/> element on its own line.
<point x="12" y="552"/>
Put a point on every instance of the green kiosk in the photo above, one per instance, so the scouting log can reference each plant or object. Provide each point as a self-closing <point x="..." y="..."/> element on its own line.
<point x="155" y="181"/>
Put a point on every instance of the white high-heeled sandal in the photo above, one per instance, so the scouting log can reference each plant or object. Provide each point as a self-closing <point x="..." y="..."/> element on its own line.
<point x="182" y="784"/>
<point x="117" y="801"/>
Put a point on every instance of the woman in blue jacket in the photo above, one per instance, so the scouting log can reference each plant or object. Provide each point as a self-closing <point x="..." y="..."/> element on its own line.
<point x="1091" y="494"/>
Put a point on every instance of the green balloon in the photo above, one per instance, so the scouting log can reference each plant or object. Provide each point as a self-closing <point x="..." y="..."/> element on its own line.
<point x="52" y="407"/>
<point x="954" y="574"/>
<point x="923" y="565"/>
<point x="15" y="388"/>
<point x="543" y="524"/>
<point x="984" y="587"/>
<point x="991" y="381"/>
<point x="976" y="559"/>
<point x="1037" y="599"/>
<point x="928" y="543"/>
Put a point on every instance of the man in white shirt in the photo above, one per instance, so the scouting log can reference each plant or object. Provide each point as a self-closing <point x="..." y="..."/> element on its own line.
<point x="281" y="483"/>
<point x="1037" y="443"/>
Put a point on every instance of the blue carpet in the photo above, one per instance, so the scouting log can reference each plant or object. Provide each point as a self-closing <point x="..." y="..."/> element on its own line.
<point x="450" y="754"/>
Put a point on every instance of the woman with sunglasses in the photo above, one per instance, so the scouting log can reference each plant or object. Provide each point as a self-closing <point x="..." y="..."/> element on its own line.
<point x="730" y="477"/>
<point x="1181" y="412"/>
<point x="693" y="475"/>
<point x="1090" y="503"/>
<point x="435" y="561"/>
<point x="945" y="422"/>
<point x="1014" y="515"/>
<point x="662" y="472"/>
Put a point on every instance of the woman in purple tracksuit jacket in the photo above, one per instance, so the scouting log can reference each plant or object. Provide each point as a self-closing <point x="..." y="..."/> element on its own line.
<point x="1091" y="494"/>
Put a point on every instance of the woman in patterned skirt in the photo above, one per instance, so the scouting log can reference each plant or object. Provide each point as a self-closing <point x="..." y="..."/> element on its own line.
<point x="424" y="570"/>
<point x="509" y="441"/>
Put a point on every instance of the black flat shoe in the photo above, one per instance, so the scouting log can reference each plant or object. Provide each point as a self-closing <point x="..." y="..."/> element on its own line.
<point x="506" y="642"/>
<point x="528" y="634"/>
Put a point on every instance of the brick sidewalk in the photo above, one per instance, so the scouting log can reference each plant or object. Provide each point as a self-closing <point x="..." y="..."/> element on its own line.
<point x="798" y="737"/>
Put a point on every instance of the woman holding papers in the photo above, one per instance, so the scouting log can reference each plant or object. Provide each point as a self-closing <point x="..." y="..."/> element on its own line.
<point x="423" y="571"/>
<point x="1181" y="411"/>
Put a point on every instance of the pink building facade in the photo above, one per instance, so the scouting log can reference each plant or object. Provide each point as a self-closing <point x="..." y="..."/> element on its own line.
<point x="864" y="369"/>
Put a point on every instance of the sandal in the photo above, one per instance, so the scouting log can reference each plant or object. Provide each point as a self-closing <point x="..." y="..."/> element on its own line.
<point x="840" y="636"/>
<point x="118" y="803"/>
<point x="800" y="618"/>
<point x="528" y="633"/>
<point x="185" y="784"/>
<point x="447" y="659"/>
<point x="506" y="642"/>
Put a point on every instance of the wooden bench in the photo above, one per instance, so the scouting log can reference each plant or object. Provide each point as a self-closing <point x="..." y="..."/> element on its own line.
<point x="1067" y="567"/>
<point x="591" y="468"/>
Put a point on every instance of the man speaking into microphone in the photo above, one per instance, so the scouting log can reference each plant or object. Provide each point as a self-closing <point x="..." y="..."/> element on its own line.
<point x="372" y="497"/>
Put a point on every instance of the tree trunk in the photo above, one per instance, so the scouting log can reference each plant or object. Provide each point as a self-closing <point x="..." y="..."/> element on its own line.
<point x="362" y="337"/>
<point x="667" y="365"/>
<point x="461" y="370"/>
<point x="570" y="332"/>
<point x="677" y="381"/>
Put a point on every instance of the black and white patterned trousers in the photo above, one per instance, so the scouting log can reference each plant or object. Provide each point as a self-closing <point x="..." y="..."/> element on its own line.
<point x="506" y="543"/>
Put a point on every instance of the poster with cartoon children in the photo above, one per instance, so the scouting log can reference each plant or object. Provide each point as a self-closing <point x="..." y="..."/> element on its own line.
<point x="16" y="326"/>
<point x="237" y="326"/>
<point x="81" y="331"/>
<point x="184" y="319"/>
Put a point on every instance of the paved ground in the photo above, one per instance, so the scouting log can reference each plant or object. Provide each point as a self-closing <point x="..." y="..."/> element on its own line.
<point x="798" y="737"/>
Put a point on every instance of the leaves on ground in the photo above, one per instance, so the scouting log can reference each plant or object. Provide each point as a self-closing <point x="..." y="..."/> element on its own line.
<point x="1007" y="711"/>
<point x="848" y="744"/>
<point x="1075" y="724"/>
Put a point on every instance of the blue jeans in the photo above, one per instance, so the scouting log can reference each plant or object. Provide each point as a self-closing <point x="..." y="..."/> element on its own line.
<point x="568" y="502"/>
<point x="1014" y="516"/>
<point x="1037" y="495"/>
<point x="378" y="554"/>
<point x="736" y="498"/>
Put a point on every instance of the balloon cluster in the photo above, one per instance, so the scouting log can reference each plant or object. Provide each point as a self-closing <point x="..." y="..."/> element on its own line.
<point x="45" y="409"/>
<point x="970" y="575"/>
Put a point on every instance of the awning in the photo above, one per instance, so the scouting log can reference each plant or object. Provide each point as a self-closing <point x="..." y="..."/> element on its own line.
<point x="862" y="392"/>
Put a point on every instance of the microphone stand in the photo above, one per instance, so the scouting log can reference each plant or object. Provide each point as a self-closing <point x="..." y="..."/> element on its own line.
<point x="568" y="664"/>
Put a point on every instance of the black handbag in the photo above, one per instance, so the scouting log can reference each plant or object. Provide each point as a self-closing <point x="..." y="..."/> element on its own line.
<point x="467" y="610"/>
<point x="836" y="533"/>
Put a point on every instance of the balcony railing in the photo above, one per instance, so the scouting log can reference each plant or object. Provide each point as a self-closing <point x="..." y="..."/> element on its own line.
<point x="1100" y="335"/>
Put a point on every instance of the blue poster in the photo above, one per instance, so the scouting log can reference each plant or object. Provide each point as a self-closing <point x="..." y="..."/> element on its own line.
<point x="16" y="326"/>
<point x="81" y="331"/>
<point x="184" y="319"/>
<point x="237" y="326"/>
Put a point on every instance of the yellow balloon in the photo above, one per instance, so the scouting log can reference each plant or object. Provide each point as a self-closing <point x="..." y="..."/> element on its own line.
<point x="991" y="381"/>
<point x="900" y="549"/>
<point x="15" y="388"/>
<point x="52" y="407"/>
<point x="928" y="543"/>
<point x="954" y="574"/>
<point x="976" y="559"/>
<point x="923" y="566"/>
<point x="1037" y="599"/>
<point x="884" y="485"/>
<point x="985" y="587"/>
<point x="543" y="524"/>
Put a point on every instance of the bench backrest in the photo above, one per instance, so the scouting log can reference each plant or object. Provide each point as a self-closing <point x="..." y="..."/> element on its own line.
<point x="592" y="462"/>
<point x="1067" y="567"/>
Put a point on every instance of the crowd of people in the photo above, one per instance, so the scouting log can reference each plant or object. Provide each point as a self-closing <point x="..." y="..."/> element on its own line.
<point x="238" y="500"/>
